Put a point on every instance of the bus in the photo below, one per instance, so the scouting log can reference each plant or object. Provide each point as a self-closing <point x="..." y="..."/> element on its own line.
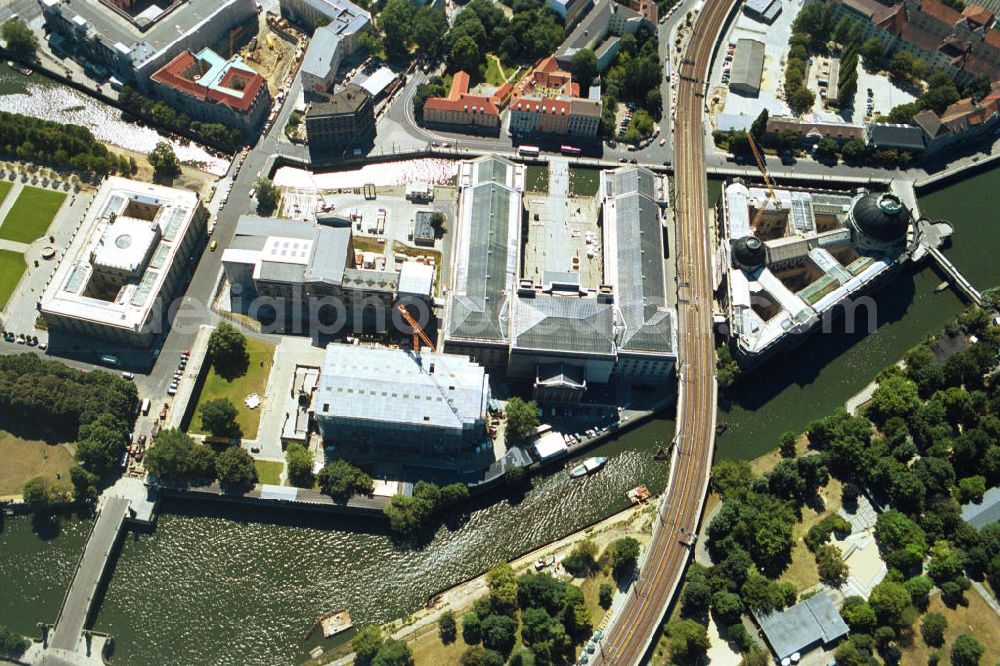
<point x="144" y="407"/>
<point x="528" y="151"/>
<point x="570" y="150"/>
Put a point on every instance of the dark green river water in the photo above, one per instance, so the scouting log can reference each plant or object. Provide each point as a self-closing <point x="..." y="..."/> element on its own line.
<point x="224" y="585"/>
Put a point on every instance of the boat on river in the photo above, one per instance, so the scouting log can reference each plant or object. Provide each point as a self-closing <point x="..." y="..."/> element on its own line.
<point x="588" y="466"/>
<point x="333" y="623"/>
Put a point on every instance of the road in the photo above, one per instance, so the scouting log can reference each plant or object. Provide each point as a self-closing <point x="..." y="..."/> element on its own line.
<point x="637" y="624"/>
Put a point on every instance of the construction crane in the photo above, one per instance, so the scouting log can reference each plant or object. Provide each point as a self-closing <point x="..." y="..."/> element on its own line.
<point x="762" y="165"/>
<point x="418" y="333"/>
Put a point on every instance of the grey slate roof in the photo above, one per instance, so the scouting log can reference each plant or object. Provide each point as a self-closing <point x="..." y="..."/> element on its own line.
<point x="748" y="64"/>
<point x="478" y="305"/>
<point x="566" y="324"/>
<point x="806" y="625"/>
<point x="329" y="255"/>
<point x="982" y="514"/>
<point x="643" y="319"/>
<point x="255" y="225"/>
<point x="370" y="280"/>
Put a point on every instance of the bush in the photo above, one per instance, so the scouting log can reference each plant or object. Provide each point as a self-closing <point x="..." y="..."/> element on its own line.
<point x="447" y="627"/>
<point x="932" y="629"/>
<point x="366" y="643"/>
<point x="12" y="644"/>
<point x="299" y="464"/>
<point x="472" y="628"/>
<point x="581" y="560"/>
<point x="36" y="493"/>
<point x="605" y="595"/>
<point x="393" y="653"/>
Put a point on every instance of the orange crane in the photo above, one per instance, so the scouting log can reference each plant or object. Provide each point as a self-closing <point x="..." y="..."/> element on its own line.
<point x="418" y="333"/>
<point x="762" y="165"/>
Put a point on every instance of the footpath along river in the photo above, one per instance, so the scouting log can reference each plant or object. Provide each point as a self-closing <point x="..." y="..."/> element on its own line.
<point x="223" y="585"/>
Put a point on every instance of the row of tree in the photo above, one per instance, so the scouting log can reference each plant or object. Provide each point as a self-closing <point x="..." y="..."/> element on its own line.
<point x="62" y="147"/>
<point x="161" y="113"/>
<point x="175" y="458"/>
<point x="407" y="513"/>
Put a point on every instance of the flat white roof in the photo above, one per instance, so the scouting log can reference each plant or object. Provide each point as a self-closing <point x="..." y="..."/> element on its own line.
<point x="550" y="444"/>
<point x="172" y="211"/>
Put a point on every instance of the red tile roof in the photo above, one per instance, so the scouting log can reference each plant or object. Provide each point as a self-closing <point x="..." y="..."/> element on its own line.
<point x="993" y="38"/>
<point x="978" y="15"/>
<point x="174" y="74"/>
<point x="940" y="11"/>
<point x="891" y="19"/>
<point x="459" y="98"/>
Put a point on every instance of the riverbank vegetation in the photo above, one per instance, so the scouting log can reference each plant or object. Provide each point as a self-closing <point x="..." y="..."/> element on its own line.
<point x="929" y="437"/>
<point x="407" y="513"/>
<point x="62" y="147"/>
<point x="12" y="644"/>
<point x="340" y="479"/>
<point x="214" y="134"/>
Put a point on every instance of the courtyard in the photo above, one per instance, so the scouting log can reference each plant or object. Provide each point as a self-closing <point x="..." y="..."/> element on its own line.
<point x="254" y="380"/>
<point x="32" y="213"/>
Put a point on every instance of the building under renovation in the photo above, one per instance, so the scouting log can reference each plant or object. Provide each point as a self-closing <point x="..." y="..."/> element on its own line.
<point x="572" y="296"/>
<point x="793" y="256"/>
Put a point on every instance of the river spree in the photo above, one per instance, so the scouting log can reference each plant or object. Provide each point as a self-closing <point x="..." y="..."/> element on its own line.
<point x="225" y="585"/>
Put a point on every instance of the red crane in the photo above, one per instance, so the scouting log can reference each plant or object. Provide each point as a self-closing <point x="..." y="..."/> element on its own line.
<point x="418" y="333"/>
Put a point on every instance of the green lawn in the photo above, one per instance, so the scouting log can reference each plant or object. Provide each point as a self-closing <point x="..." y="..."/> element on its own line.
<point x="537" y="179"/>
<point x="5" y="186"/>
<point x="254" y="381"/>
<point x="494" y="71"/>
<point x="268" y="471"/>
<point x="30" y="216"/>
<point x="11" y="269"/>
<point x="584" y="182"/>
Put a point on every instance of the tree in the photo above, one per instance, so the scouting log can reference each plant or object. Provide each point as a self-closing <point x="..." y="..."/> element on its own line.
<point x="299" y="464"/>
<point x="932" y="629"/>
<point x="871" y="51"/>
<point x="830" y="565"/>
<point x="896" y="396"/>
<point x="19" y="37"/>
<point x="447" y="627"/>
<point x="966" y="651"/>
<point x="786" y="443"/>
<point x="395" y="21"/>
<point x="407" y="513"/>
<point x="227" y="350"/>
<point x="522" y="419"/>
<point x="624" y="554"/>
<point x="889" y="600"/>
<point x="12" y="644"/>
<point x="465" y="55"/>
<point x="730" y="477"/>
<point x="858" y="615"/>
<point x="85" y="483"/>
<point x="201" y="463"/>
<point x="946" y="562"/>
<point x="801" y="99"/>
<point x="472" y="628"/>
<point x="919" y="588"/>
<point x="366" y="643"/>
<point x="605" y="595"/>
<point x="758" y="129"/>
<point x="477" y="655"/>
<point x="437" y="223"/>
<point x="163" y="160"/>
<point x="900" y="540"/>
<point x="235" y="469"/>
<point x="219" y="418"/>
<point x="499" y="633"/>
<point x="393" y="653"/>
<point x="503" y="588"/>
<point x="581" y="560"/>
<point x="453" y="494"/>
<point x="696" y="599"/>
<point x="971" y="489"/>
<point x="102" y="442"/>
<point x="687" y="641"/>
<point x="429" y="27"/>
<point x="341" y="479"/>
<point x="584" y="68"/>
<point x="36" y="493"/>
<point x="168" y="458"/>
<point x="267" y="194"/>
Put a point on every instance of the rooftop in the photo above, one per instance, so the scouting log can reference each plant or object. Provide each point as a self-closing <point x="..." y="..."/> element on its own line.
<point x="486" y="249"/>
<point x="346" y="101"/>
<point x="808" y="624"/>
<point x="425" y="389"/>
<point x="209" y="77"/>
<point x="129" y="236"/>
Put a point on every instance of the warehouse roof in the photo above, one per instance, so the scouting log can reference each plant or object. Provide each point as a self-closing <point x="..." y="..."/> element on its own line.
<point x="424" y="389"/>
<point x="748" y="63"/>
<point x="561" y="323"/>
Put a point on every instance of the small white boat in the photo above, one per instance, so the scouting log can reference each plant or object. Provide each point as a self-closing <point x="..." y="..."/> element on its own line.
<point x="588" y="466"/>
